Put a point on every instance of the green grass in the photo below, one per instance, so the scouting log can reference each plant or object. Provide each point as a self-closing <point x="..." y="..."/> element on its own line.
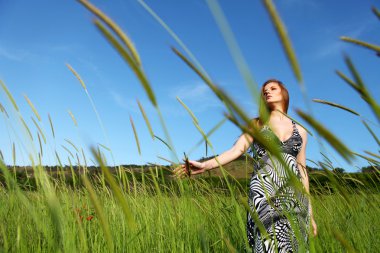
<point x="193" y="221"/>
<point x="116" y="210"/>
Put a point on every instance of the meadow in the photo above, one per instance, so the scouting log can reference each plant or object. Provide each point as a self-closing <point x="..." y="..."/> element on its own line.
<point x="191" y="215"/>
<point x="123" y="210"/>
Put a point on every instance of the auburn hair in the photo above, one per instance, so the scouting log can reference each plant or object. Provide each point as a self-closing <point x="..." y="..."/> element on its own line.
<point x="264" y="109"/>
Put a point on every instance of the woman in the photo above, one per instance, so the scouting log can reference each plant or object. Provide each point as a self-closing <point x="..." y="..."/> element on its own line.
<point x="279" y="210"/>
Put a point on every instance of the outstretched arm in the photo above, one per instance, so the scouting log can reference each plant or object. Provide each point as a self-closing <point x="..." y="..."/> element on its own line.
<point x="240" y="146"/>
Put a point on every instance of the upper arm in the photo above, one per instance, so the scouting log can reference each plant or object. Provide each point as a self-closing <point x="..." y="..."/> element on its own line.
<point x="245" y="140"/>
<point x="301" y="158"/>
<point x="242" y="144"/>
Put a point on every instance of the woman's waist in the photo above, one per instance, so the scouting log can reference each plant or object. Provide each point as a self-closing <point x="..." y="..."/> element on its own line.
<point x="281" y="157"/>
<point x="272" y="164"/>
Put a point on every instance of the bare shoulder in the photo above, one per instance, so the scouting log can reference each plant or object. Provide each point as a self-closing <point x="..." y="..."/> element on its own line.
<point x="302" y="131"/>
<point x="255" y="122"/>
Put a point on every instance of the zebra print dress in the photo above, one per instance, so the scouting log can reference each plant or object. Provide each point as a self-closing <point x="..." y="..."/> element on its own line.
<point x="279" y="217"/>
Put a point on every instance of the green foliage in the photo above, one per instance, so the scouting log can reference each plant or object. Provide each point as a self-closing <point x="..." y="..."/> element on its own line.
<point x="189" y="215"/>
<point x="80" y="208"/>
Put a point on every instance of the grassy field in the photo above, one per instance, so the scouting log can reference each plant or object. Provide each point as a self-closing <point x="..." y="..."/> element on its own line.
<point x="192" y="218"/>
<point x="119" y="211"/>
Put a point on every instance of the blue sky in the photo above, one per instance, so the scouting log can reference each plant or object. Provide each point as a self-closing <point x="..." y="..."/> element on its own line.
<point x="39" y="37"/>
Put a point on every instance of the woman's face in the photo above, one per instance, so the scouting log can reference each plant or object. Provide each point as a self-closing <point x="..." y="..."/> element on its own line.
<point x="272" y="93"/>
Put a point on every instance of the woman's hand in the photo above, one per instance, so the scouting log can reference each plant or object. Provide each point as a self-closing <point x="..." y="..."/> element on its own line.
<point x="314" y="226"/>
<point x="194" y="167"/>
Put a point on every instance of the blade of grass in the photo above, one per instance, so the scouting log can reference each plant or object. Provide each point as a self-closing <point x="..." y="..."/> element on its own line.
<point x="73" y="118"/>
<point x="349" y="81"/>
<point x="10" y="97"/>
<point x="105" y="147"/>
<point x="78" y="161"/>
<point x="21" y="198"/>
<point x="333" y="179"/>
<point x="39" y="129"/>
<point x="163" y="142"/>
<point x="188" y="110"/>
<point x="376" y="12"/>
<point x="208" y="134"/>
<point x="51" y="126"/>
<point x="3" y="110"/>
<point x="135" y="68"/>
<point x="371" y="132"/>
<point x="173" y="34"/>
<point x="117" y="192"/>
<point x="100" y="213"/>
<point x="77" y="76"/>
<point x="146" y="119"/>
<point x="372" y="154"/>
<point x="204" y="136"/>
<point x="284" y="38"/>
<point x="340" y="237"/>
<point x="327" y="160"/>
<point x="93" y="107"/>
<point x="115" y="28"/>
<point x="286" y="115"/>
<point x="336" y="105"/>
<point x="26" y="127"/>
<point x="39" y="141"/>
<point x="59" y="160"/>
<point x="233" y="47"/>
<point x="341" y="148"/>
<point x="162" y="158"/>
<point x="85" y="162"/>
<point x="72" y="144"/>
<point x="195" y="122"/>
<point x="361" y="43"/>
<point x="68" y="150"/>
<point x="33" y="108"/>
<point x="365" y="94"/>
<point x="135" y="133"/>
<point x="14" y="154"/>
<point x="369" y="159"/>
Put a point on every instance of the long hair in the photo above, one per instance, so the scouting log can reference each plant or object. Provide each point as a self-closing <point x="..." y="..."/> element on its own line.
<point x="264" y="109"/>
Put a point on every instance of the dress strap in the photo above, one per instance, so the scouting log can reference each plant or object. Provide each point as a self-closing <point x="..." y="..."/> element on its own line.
<point x="294" y="126"/>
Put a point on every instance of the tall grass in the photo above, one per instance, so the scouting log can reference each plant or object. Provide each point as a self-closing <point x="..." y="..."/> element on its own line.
<point x="125" y="210"/>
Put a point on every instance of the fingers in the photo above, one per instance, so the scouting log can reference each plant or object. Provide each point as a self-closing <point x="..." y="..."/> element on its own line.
<point x="189" y="168"/>
<point x="194" y="165"/>
<point x="180" y="171"/>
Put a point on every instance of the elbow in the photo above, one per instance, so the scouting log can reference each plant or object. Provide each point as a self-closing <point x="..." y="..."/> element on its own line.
<point x="236" y="153"/>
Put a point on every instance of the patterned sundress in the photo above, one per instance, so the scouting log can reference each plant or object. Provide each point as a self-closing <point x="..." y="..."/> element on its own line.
<point x="275" y="203"/>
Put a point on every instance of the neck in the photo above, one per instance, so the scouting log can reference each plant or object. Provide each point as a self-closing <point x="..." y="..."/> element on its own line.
<point x="277" y="114"/>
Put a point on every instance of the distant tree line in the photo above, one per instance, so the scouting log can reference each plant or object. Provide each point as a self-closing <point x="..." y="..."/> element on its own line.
<point x="365" y="169"/>
<point x="17" y="168"/>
